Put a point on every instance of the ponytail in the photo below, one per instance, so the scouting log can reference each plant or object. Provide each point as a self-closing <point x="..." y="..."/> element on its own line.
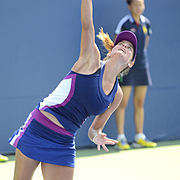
<point x="107" y="42"/>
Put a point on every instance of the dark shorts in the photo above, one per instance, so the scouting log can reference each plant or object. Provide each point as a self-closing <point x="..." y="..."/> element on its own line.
<point x="137" y="77"/>
<point x="42" y="140"/>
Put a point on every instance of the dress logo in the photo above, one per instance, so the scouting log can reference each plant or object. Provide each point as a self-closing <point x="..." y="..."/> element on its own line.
<point x="144" y="29"/>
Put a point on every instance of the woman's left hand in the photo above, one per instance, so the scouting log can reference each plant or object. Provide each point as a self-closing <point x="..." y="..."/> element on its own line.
<point x="101" y="140"/>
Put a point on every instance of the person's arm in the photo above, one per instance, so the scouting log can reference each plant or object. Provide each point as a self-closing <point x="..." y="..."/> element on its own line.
<point x="149" y="32"/>
<point x="89" y="49"/>
<point x="146" y="42"/>
<point x="95" y="131"/>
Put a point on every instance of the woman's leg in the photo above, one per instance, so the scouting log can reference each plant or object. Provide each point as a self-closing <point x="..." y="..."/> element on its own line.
<point x="120" y="111"/>
<point x="120" y="118"/>
<point x="24" y="166"/>
<point x="56" y="172"/>
<point x="139" y="98"/>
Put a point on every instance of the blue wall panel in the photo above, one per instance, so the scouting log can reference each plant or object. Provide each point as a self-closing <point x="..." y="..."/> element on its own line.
<point x="40" y="40"/>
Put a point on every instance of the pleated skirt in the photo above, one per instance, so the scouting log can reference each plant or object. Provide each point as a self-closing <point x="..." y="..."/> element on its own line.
<point x="42" y="140"/>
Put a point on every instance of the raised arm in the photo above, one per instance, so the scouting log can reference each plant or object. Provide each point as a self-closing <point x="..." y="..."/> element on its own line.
<point x="95" y="131"/>
<point x="86" y="14"/>
<point x="89" y="59"/>
<point x="88" y="33"/>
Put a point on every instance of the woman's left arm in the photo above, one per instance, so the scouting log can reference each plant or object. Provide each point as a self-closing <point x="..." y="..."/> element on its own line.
<point x="95" y="131"/>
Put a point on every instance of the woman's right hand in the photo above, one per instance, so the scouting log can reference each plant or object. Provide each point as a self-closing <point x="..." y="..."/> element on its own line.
<point x="101" y="140"/>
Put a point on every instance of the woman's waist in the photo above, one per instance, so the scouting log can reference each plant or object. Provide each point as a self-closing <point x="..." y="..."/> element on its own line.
<point x="52" y="118"/>
<point x="64" y="118"/>
<point x="48" y="120"/>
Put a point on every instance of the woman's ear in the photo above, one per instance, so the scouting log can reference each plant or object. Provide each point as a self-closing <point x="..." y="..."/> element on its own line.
<point x="131" y="64"/>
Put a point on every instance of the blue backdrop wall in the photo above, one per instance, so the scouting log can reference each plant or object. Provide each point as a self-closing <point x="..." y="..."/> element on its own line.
<point x="40" y="40"/>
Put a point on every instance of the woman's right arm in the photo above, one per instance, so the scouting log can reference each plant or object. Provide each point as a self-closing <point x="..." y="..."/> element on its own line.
<point x="89" y="53"/>
<point x="87" y="34"/>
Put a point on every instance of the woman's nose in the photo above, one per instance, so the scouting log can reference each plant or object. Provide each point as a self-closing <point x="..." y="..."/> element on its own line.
<point x="124" y="45"/>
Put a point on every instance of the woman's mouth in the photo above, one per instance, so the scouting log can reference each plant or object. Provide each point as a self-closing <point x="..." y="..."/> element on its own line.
<point x="122" y="50"/>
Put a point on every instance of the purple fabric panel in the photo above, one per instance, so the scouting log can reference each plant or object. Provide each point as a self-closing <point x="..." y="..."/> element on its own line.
<point x="41" y="118"/>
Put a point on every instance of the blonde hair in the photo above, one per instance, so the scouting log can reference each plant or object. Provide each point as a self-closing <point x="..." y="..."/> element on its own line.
<point x="106" y="40"/>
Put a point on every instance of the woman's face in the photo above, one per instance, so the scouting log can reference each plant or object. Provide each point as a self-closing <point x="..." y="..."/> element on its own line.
<point x="124" y="51"/>
<point x="137" y="7"/>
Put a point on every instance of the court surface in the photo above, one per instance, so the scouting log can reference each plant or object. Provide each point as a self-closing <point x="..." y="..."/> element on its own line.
<point x="161" y="163"/>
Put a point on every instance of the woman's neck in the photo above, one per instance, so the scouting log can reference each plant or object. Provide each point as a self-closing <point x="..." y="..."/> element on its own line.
<point x="109" y="78"/>
<point x="112" y="70"/>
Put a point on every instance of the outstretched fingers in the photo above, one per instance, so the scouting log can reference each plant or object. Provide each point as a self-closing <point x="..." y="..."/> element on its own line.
<point x="98" y="147"/>
<point x="105" y="148"/>
<point x="106" y="141"/>
<point x="110" y="141"/>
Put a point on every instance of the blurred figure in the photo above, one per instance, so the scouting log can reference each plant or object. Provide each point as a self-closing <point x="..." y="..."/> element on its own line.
<point x="3" y="158"/>
<point x="138" y="77"/>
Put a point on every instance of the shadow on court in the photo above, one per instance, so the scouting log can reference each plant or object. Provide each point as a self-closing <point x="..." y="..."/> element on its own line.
<point x="161" y="163"/>
<point x="88" y="152"/>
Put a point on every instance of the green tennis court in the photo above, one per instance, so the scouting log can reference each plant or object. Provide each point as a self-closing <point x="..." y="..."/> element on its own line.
<point x="161" y="163"/>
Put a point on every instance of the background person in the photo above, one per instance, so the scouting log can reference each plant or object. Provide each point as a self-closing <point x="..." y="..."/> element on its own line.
<point x="139" y="76"/>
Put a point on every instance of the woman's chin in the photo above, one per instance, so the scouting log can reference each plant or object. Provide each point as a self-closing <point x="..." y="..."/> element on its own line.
<point x="120" y="57"/>
<point x="118" y="54"/>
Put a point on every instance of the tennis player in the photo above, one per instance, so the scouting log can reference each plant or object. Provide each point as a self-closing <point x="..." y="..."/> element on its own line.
<point x="90" y="88"/>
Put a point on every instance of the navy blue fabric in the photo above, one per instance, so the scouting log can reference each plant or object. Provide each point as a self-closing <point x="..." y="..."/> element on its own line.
<point x="45" y="145"/>
<point x="139" y="73"/>
<point x="138" y="77"/>
<point x="141" y="31"/>
<point x="88" y="99"/>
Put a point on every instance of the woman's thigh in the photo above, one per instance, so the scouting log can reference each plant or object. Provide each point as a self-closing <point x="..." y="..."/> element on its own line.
<point x="24" y="166"/>
<point x="56" y="172"/>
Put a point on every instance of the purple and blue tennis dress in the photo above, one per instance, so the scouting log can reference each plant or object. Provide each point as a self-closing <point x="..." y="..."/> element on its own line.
<point x="76" y="97"/>
<point x="139" y="74"/>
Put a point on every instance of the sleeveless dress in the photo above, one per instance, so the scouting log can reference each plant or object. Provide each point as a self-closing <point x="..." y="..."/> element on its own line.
<point x="77" y="97"/>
